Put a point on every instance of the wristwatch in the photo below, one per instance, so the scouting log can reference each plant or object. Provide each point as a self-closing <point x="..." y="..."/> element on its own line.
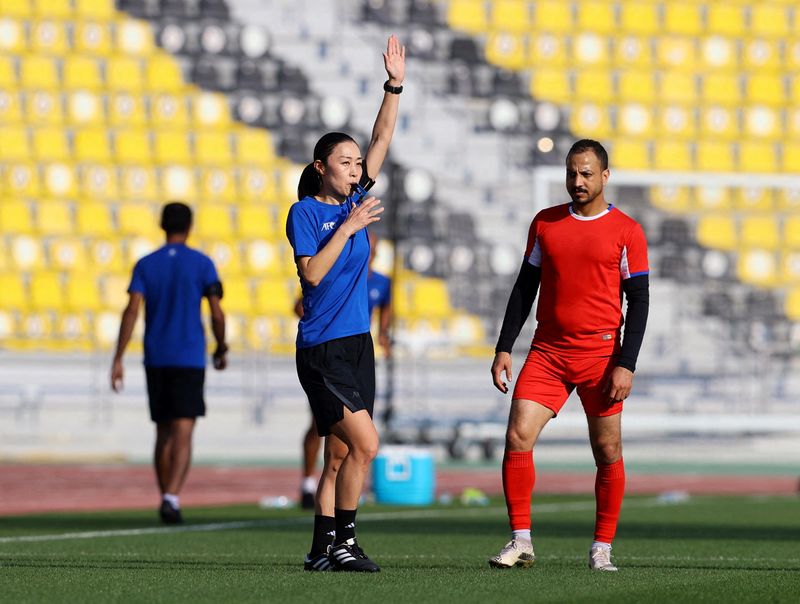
<point x="392" y="89"/>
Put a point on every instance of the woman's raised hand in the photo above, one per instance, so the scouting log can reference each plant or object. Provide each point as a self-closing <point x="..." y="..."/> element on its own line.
<point x="394" y="60"/>
<point x="361" y="216"/>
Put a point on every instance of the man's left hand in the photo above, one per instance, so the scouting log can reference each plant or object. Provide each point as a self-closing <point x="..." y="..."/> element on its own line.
<point x="619" y="384"/>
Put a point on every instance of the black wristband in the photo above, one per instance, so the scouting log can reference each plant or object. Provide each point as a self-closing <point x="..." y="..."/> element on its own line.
<point x="392" y="89"/>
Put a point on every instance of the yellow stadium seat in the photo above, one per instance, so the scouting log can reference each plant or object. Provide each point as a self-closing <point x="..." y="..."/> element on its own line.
<point x="50" y="144"/>
<point x="92" y="145"/>
<point x="14" y="295"/>
<point x="718" y="53"/>
<point x="138" y="182"/>
<point x="48" y="37"/>
<point x="671" y="198"/>
<point x="39" y="72"/>
<point x="510" y="15"/>
<point x="132" y="146"/>
<point x="44" y="108"/>
<point x="551" y="85"/>
<point x="178" y="182"/>
<point x="590" y="49"/>
<point x="126" y="110"/>
<point x="15" y="217"/>
<point x="137" y="219"/>
<point x="719" y="123"/>
<point x="172" y="146"/>
<point x="274" y="298"/>
<point x="67" y="254"/>
<point x="758" y="157"/>
<point x="546" y="49"/>
<point x="20" y="178"/>
<point x="717" y="232"/>
<point x="53" y="8"/>
<point x="93" y="38"/>
<point x="683" y="18"/>
<point x="101" y="10"/>
<point x="218" y="184"/>
<point x="588" y="120"/>
<point x="636" y="85"/>
<point x="676" y="52"/>
<point x="257" y="184"/>
<point x="106" y="256"/>
<point x="8" y="73"/>
<point x="506" y="50"/>
<point x="46" y="291"/>
<point x="54" y="218"/>
<point x="114" y="291"/>
<point x="597" y="16"/>
<point x="790" y="158"/>
<point x="765" y="88"/>
<point x="632" y="52"/>
<point x="758" y="266"/>
<point x="754" y="199"/>
<point x="672" y="155"/>
<point x="18" y="8"/>
<point x="791" y="232"/>
<point x="213" y="147"/>
<point x="553" y="16"/>
<point x="790" y="267"/>
<point x="255" y="221"/>
<point x="82" y="73"/>
<point x="639" y="18"/>
<point x="769" y="19"/>
<point x="124" y="73"/>
<point x="762" y="122"/>
<point x="759" y="55"/>
<point x="253" y="146"/>
<point x="264" y="258"/>
<point x="93" y="219"/>
<point x="12" y="36"/>
<point x="631" y="154"/>
<point x="712" y="197"/>
<point x="14" y="143"/>
<point x="725" y="18"/>
<point x="163" y="74"/>
<point x="430" y="299"/>
<point x="10" y="111"/>
<point x="214" y="222"/>
<point x="714" y="156"/>
<point x="210" y="110"/>
<point x="99" y="181"/>
<point x="677" y="87"/>
<point x="792" y="55"/>
<point x="676" y="122"/>
<point x="794" y="91"/>
<point x="226" y="255"/>
<point x="238" y="296"/>
<point x="467" y="15"/>
<point x="133" y="38"/>
<point x="84" y="108"/>
<point x="168" y="110"/>
<point x="788" y="199"/>
<point x="60" y="180"/>
<point x="760" y="232"/>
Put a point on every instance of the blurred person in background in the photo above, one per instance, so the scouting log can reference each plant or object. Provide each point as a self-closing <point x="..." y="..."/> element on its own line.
<point x="379" y="289"/>
<point x="581" y="256"/>
<point x="172" y="282"/>
<point x="335" y="356"/>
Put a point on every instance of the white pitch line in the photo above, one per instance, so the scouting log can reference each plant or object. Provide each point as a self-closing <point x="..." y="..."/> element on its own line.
<point x="543" y="508"/>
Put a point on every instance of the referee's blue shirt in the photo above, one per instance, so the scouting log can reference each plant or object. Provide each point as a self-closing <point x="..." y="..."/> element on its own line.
<point x="337" y="307"/>
<point x="173" y="280"/>
<point x="380" y="290"/>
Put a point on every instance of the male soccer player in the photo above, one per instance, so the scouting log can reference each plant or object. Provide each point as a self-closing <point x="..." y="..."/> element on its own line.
<point x="173" y="281"/>
<point x="582" y="256"/>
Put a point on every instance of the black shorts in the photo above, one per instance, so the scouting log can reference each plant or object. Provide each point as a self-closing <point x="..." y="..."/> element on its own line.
<point x="175" y="392"/>
<point x="336" y="374"/>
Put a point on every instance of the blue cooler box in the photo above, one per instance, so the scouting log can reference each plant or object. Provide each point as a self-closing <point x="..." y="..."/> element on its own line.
<point x="403" y="476"/>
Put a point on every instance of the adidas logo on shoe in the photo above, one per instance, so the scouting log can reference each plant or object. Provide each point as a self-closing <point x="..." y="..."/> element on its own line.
<point x="349" y="557"/>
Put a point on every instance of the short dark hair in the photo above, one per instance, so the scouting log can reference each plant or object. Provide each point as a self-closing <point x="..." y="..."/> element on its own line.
<point x="587" y="144"/>
<point x="176" y="217"/>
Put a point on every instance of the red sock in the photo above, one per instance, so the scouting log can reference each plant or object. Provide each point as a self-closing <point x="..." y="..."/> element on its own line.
<point x="609" y="487"/>
<point x="519" y="474"/>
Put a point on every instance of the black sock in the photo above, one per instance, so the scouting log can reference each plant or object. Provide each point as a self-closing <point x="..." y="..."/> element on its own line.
<point x="324" y="528"/>
<point x="345" y="525"/>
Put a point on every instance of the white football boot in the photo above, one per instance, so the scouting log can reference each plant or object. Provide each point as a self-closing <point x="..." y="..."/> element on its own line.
<point x="515" y="553"/>
<point x="600" y="559"/>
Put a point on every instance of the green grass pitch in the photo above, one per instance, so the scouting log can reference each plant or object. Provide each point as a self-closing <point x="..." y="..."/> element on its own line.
<point x="707" y="549"/>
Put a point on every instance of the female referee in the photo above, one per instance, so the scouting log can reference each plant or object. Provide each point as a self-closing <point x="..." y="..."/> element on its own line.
<point x="335" y="361"/>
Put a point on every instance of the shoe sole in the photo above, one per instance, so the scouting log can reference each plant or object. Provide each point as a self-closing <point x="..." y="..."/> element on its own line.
<point x="520" y="563"/>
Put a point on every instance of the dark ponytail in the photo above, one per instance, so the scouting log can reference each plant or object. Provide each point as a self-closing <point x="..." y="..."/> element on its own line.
<point x="311" y="180"/>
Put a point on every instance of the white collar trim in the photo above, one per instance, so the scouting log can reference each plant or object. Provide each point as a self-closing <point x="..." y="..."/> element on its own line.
<point x="587" y="218"/>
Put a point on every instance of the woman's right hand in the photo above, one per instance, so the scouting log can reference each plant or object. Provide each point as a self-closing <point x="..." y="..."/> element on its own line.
<point x="361" y="216"/>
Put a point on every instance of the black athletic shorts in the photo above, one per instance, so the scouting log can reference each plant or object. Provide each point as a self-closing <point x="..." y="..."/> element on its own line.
<point x="175" y="392"/>
<point x="336" y="374"/>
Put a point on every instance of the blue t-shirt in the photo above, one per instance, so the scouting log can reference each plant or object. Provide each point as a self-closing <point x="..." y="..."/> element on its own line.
<point x="173" y="280"/>
<point x="380" y="290"/>
<point x="337" y="307"/>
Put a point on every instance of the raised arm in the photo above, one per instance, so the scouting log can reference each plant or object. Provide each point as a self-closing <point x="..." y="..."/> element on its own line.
<point x="394" y="60"/>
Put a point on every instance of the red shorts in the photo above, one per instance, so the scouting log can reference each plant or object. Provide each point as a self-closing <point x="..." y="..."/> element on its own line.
<point x="548" y="379"/>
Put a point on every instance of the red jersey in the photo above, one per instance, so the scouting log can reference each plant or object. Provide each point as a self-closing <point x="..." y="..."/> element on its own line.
<point x="584" y="262"/>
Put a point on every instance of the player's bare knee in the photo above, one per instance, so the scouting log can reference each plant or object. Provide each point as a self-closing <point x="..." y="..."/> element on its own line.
<point x="517" y="440"/>
<point x="607" y="452"/>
